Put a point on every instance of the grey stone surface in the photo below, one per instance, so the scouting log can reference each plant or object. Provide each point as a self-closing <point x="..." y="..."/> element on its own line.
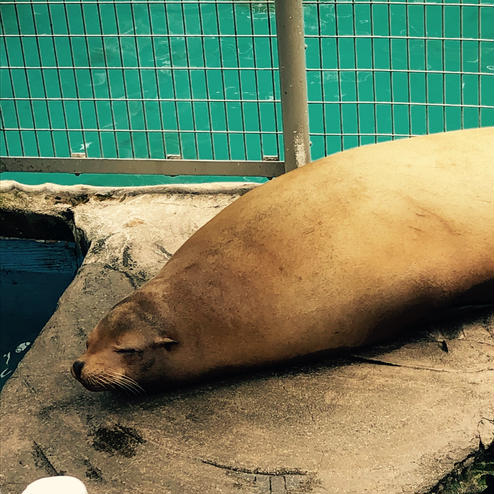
<point x="389" y="419"/>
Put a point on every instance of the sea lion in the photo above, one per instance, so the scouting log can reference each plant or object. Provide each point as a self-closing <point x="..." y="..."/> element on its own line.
<point x="342" y="252"/>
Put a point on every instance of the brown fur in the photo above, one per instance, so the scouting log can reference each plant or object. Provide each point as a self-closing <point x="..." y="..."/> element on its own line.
<point x="323" y="257"/>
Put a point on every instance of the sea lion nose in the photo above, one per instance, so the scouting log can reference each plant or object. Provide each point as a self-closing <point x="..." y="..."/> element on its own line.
<point x="77" y="368"/>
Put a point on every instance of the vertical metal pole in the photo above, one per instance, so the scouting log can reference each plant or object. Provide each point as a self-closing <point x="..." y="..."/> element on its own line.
<point x="293" y="81"/>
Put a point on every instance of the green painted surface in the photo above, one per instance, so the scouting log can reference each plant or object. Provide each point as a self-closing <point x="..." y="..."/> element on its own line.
<point x="173" y="105"/>
<point x="116" y="180"/>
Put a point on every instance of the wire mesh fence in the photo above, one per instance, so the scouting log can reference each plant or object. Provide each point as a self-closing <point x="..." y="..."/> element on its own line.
<point x="198" y="79"/>
<point x="384" y="69"/>
<point x="146" y="79"/>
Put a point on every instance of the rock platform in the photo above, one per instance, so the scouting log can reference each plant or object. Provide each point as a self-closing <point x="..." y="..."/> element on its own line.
<point x="389" y="419"/>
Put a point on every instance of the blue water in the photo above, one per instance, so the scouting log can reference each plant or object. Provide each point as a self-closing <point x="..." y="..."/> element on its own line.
<point x="33" y="276"/>
<point x="149" y="80"/>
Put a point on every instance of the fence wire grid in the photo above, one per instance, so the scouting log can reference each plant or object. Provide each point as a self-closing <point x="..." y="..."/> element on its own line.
<point x="199" y="79"/>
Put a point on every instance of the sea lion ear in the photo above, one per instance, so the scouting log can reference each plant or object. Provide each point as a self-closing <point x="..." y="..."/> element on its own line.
<point x="164" y="341"/>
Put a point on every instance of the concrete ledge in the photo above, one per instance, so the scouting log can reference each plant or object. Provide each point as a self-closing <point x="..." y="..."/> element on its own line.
<point x="393" y="419"/>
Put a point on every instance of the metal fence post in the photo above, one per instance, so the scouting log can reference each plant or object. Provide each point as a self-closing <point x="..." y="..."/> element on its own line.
<point x="293" y="81"/>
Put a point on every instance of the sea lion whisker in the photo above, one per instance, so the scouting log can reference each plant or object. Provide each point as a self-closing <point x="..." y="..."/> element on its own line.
<point x="125" y="387"/>
<point x="127" y="379"/>
<point x="104" y="381"/>
<point x="93" y="381"/>
<point x="100" y="378"/>
<point x="132" y="385"/>
<point x="108" y="380"/>
<point x="125" y="382"/>
<point x="119" y="384"/>
<point x="131" y="382"/>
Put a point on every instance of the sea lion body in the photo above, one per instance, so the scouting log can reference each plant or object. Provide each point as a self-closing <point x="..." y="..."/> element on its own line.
<point x="339" y="253"/>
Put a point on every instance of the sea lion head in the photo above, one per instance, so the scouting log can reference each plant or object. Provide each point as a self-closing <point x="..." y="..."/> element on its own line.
<point x="128" y="350"/>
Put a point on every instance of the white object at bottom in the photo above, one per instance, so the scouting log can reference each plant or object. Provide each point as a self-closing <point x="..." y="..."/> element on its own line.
<point x="56" y="485"/>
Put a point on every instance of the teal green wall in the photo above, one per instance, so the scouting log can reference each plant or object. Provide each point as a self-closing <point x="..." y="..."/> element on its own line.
<point x="143" y="89"/>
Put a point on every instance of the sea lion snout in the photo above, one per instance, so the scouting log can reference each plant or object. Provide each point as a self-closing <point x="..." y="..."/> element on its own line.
<point x="77" y="369"/>
<point x="99" y="376"/>
<point x="122" y="354"/>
